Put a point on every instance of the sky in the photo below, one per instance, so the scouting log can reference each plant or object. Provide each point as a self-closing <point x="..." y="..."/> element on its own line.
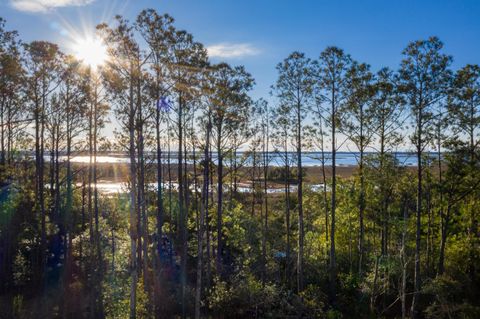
<point x="261" y="33"/>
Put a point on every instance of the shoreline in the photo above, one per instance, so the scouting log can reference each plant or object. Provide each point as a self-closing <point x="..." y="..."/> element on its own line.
<point x="119" y="172"/>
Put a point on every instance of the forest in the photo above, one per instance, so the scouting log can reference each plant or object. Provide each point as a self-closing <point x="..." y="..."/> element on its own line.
<point x="218" y="216"/>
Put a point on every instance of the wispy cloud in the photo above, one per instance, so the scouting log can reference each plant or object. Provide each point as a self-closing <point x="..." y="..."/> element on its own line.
<point x="45" y="5"/>
<point x="232" y="50"/>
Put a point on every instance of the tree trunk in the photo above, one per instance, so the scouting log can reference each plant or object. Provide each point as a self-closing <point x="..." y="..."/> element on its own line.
<point x="404" y="262"/>
<point x="133" y="208"/>
<point x="324" y="189"/>
<point x="362" y="198"/>
<point x="265" y="194"/>
<point x="141" y="187"/>
<point x="301" y="233"/>
<point x="219" y="203"/>
<point x="333" y="266"/>
<point x="445" y="221"/>
<point x="287" y="215"/>
<point x="417" y="281"/>
<point x="201" y="225"/>
<point x="181" y="203"/>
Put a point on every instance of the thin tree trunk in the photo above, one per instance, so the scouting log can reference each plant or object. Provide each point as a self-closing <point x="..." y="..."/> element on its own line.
<point x="141" y="188"/>
<point x="287" y="215"/>
<point x="169" y="169"/>
<point x="209" y="163"/>
<point x="181" y="203"/>
<point x="219" y="203"/>
<point x="417" y="280"/>
<point x="362" y="198"/>
<point x="160" y="211"/>
<point x="301" y="233"/>
<point x="201" y="222"/>
<point x="404" y="262"/>
<point x="2" y="135"/>
<point x="133" y="208"/>
<point x="333" y="266"/>
<point x="265" y="194"/>
<point x="254" y="170"/>
<point x="324" y="188"/>
<point x="99" y="270"/>
<point x="445" y="221"/>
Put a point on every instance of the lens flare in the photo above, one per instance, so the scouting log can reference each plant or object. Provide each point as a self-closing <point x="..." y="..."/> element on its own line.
<point x="91" y="51"/>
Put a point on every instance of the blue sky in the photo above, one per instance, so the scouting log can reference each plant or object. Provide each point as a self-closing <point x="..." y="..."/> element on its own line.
<point x="260" y="33"/>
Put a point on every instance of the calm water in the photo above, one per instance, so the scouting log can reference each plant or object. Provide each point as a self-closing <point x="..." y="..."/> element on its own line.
<point x="111" y="188"/>
<point x="308" y="159"/>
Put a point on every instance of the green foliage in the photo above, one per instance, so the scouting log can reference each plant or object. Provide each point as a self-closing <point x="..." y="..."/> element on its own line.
<point x="315" y="300"/>
<point x="245" y="297"/>
<point x="68" y="251"/>
<point x="450" y="299"/>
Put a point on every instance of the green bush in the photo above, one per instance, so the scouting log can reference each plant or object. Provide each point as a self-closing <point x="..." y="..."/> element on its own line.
<point x="449" y="299"/>
<point x="245" y="297"/>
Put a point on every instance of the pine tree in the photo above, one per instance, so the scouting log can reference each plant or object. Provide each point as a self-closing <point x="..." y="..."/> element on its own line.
<point x="423" y="78"/>
<point x="294" y="88"/>
<point x="333" y="65"/>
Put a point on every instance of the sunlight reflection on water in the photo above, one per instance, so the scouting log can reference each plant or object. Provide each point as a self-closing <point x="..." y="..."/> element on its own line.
<point x="111" y="188"/>
<point x="275" y="159"/>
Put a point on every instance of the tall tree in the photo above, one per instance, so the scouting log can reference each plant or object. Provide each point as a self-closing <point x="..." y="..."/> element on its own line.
<point x="333" y="65"/>
<point x="185" y="68"/>
<point x="230" y="112"/>
<point x="156" y="30"/>
<point x="73" y="94"/>
<point x="464" y="112"/>
<point x="282" y="134"/>
<point x="294" y="88"/>
<point x="11" y="75"/>
<point x="388" y="107"/>
<point x="204" y="204"/>
<point x="423" y="78"/>
<point x="43" y="65"/>
<point x="122" y="78"/>
<point x="264" y="113"/>
<point x="357" y="124"/>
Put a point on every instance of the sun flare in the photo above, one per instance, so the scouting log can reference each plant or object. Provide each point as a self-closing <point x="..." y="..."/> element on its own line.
<point x="90" y="51"/>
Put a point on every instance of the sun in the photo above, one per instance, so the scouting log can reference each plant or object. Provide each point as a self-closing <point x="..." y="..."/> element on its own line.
<point x="91" y="51"/>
